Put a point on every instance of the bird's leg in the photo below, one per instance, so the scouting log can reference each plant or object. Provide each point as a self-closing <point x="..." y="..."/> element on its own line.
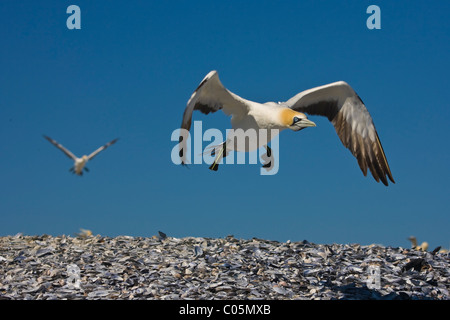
<point x="72" y="170"/>
<point x="268" y="157"/>
<point x="86" y="169"/>
<point x="269" y="151"/>
<point x="213" y="152"/>
<point x="222" y="154"/>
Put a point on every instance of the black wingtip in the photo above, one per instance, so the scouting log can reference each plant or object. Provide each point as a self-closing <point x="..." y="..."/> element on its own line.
<point x="185" y="165"/>
<point x="436" y="250"/>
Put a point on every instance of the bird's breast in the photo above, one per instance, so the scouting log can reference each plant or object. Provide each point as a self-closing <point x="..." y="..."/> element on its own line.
<point x="79" y="164"/>
<point x="250" y="134"/>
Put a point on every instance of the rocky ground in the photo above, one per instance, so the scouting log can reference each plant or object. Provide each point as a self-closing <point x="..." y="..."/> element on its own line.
<point x="166" y="268"/>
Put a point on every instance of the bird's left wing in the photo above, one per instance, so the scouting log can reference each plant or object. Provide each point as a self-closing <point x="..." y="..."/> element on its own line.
<point x="345" y="110"/>
<point x="93" y="154"/>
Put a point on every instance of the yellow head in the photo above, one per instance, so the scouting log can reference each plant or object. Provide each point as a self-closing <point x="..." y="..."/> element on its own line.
<point x="295" y="120"/>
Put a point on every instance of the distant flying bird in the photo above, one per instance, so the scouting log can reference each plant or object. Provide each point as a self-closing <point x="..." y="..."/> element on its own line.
<point x="337" y="101"/>
<point x="80" y="163"/>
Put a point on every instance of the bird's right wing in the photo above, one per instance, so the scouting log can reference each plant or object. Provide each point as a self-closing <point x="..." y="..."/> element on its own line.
<point x="60" y="147"/>
<point x="211" y="96"/>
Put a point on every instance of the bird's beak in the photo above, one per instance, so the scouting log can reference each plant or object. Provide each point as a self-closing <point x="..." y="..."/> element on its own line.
<point x="306" y="123"/>
<point x="302" y="124"/>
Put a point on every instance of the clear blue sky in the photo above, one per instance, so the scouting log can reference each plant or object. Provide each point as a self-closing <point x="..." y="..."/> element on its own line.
<point x="129" y="72"/>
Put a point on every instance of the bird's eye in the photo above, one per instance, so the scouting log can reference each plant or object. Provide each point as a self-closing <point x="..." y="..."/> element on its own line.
<point x="296" y="120"/>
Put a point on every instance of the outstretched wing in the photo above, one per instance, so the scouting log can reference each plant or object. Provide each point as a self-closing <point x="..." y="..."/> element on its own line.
<point x="344" y="108"/>
<point x="93" y="154"/>
<point x="60" y="147"/>
<point x="211" y="96"/>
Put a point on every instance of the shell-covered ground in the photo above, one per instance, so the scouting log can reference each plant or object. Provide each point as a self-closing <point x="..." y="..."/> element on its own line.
<point x="166" y="268"/>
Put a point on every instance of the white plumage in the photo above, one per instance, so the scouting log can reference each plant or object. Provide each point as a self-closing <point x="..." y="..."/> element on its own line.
<point x="79" y="163"/>
<point x="337" y="101"/>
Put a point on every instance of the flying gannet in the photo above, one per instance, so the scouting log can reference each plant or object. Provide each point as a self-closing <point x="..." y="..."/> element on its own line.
<point x="80" y="163"/>
<point x="337" y="101"/>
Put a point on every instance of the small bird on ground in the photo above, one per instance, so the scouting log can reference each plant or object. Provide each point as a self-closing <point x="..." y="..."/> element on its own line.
<point x="423" y="246"/>
<point x="337" y="101"/>
<point x="84" y="233"/>
<point x="79" y="163"/>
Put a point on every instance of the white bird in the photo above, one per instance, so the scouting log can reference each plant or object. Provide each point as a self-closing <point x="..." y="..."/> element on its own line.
<point x="422" y="247"/>
<point x="337" y="101"/>
<point x="80" y="163"/>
